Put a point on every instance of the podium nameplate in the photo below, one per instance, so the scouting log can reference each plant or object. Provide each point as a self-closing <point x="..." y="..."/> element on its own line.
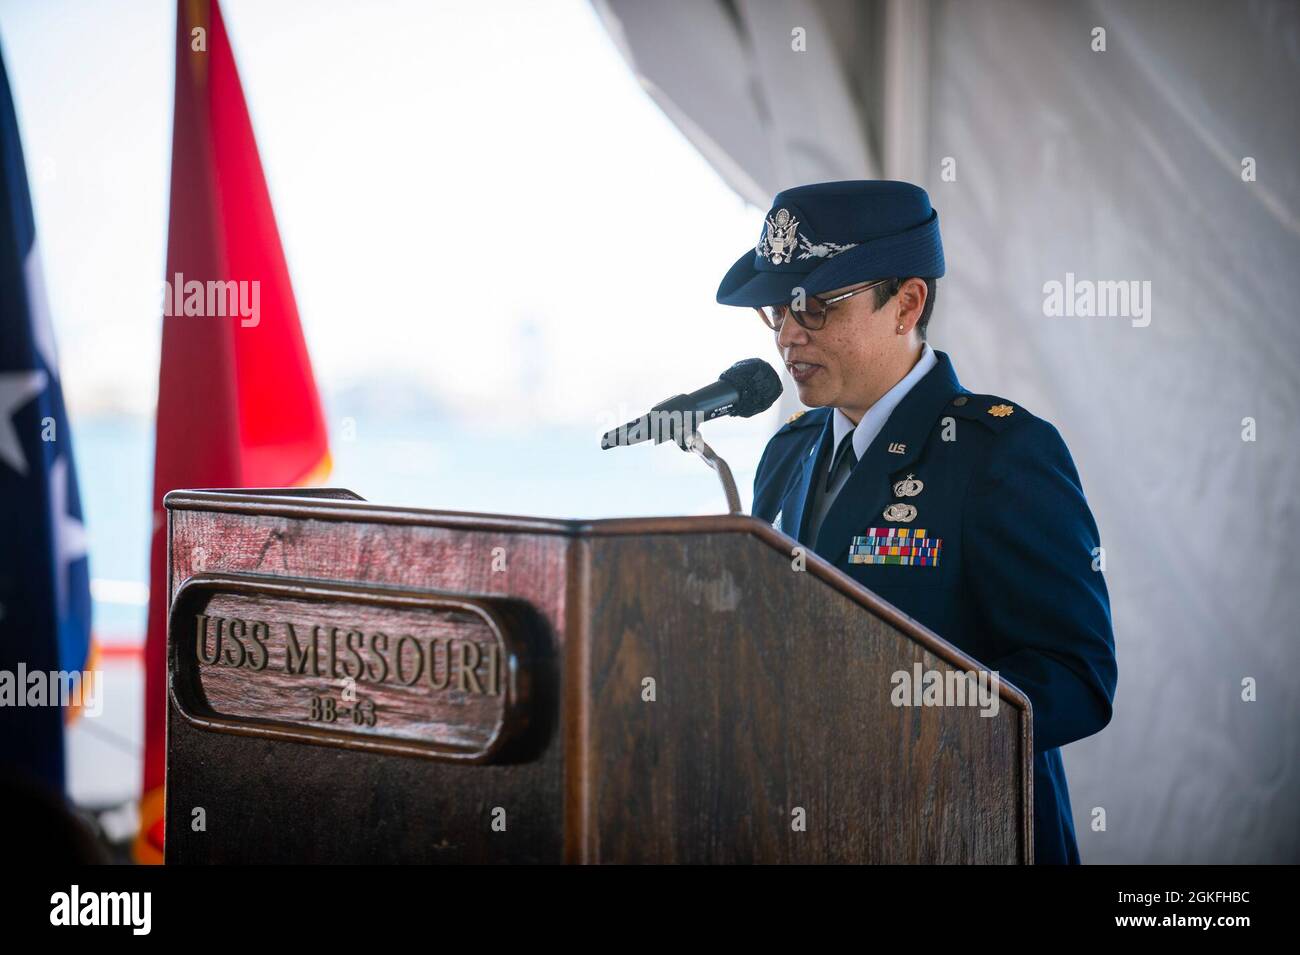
<point x="418" y="673"/>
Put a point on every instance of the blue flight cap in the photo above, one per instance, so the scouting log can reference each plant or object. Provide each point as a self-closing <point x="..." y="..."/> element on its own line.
<point x="830" y="235"/>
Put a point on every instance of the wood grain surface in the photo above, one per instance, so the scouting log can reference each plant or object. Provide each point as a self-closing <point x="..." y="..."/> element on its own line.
<point x="771" y="703"/>
<point x="773" y="696"/>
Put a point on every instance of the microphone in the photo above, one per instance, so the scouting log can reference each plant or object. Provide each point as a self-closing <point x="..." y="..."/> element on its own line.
<point x="743" y="390"/>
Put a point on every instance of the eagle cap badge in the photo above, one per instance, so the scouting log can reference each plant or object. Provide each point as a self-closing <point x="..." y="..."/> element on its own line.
<point x="780" y="238"/>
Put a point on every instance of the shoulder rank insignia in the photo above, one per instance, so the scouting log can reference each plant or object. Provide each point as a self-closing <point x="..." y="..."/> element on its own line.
<point x="1001" y="411"/>
<point x="795" y="417"/>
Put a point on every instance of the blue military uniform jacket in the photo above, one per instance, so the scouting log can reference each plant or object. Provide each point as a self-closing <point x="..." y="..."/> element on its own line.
<point x="1007" y="573"/>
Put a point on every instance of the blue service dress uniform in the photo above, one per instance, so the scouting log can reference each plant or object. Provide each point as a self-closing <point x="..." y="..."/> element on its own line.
<point x="1010" y="544"/>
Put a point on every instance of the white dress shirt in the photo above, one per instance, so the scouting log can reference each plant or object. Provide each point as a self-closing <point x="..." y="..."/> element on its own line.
<point x="864" y="433"/>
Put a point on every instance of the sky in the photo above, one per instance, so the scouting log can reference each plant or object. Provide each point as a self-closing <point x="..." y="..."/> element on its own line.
<point x="483" y="215"/>
<point x="478" y="202"/>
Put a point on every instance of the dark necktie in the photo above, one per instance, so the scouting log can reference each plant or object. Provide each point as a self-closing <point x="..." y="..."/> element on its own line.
<point x="844" y="453"/>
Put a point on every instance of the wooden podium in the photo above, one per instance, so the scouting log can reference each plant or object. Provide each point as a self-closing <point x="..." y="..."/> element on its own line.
<point x="350" y="682"/>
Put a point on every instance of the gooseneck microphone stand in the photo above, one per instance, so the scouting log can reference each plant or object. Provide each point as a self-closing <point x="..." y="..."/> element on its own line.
<point x="696" y="443"/>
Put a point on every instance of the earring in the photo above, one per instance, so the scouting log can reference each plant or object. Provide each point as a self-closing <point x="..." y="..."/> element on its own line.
<point x="900" y="328"/>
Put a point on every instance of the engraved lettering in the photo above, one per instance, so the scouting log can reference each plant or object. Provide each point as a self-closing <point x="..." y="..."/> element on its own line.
<point x="408" y="640"/>
<point x="354" y="650"/>
<point x="446" y="663"/>
<point x="202" y="638"/>
<point x="467" y="674"/>
<point x="334" y="653"/>
<point x="234" y="631"/>
<point x="380" y="651"/>
<point x="494" y="662"/>
<point x="258" y="656"/>
<point x="315" y="651"/>
<point x="295" y="660"/>
<point x="411" y="670"/>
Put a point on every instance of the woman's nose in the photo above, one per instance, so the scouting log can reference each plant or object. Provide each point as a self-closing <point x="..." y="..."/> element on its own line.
<point x="791" y="332"/>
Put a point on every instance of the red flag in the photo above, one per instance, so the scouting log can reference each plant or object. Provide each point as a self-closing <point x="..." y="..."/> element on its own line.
<point x="237" y="402"/>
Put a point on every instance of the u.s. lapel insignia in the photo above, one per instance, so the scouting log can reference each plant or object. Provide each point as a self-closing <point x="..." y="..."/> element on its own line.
<point x="897" y="447"/>
<point x="900" y="513"/>
<point x="908" y="487"/>
<point x="1001" y="411"/>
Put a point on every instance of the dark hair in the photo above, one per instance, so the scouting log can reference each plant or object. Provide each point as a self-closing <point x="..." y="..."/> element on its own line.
<point x="884" y="293"/>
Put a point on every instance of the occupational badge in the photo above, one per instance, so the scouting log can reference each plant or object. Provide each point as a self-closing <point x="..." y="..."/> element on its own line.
<point x="908" y="487"/>
<point x="902" y="513"/>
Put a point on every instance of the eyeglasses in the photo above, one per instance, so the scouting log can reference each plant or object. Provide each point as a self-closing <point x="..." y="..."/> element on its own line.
<point x="813" y="315"/>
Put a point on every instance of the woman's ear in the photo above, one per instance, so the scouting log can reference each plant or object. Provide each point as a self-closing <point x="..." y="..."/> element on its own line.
<point x="911" y="303"/>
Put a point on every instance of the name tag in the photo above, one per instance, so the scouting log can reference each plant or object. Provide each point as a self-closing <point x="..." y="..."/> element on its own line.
<point x="908" y="546"/>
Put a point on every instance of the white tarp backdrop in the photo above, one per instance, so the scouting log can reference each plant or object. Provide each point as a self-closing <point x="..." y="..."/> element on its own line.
<point x="1128" y="164"/>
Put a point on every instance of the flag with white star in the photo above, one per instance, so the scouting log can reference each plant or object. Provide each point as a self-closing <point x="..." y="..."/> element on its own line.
<point x="44" y="578"/>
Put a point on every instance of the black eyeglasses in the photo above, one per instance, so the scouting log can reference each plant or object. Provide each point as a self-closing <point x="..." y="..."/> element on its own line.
<point x="813" y="315"/>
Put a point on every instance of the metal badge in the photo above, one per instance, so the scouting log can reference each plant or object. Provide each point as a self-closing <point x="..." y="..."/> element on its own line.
<point x="1001" y="411"/>
<point x="823" y="250"/>
<point x="909" y="487"/>
<point x="901" y="513"/>
<point x="780" y="239"/>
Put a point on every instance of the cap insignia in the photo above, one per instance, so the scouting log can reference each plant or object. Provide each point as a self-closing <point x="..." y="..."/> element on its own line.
<point x="779" y="238"/>
<point x="822" y="250"/>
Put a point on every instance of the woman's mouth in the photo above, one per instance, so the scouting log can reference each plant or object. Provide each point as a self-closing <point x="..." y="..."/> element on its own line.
<point x="801" y="371"/>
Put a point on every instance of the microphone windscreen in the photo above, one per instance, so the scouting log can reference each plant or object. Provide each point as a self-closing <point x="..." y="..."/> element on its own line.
<point x="756" y="382"/>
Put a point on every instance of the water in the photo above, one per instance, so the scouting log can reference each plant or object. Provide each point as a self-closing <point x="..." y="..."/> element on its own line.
<point x="417" y="458"/>
<point x="410" y="460"/>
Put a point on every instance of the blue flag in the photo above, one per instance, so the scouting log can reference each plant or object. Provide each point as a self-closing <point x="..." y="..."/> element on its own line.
<point x="44" y="578"/>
